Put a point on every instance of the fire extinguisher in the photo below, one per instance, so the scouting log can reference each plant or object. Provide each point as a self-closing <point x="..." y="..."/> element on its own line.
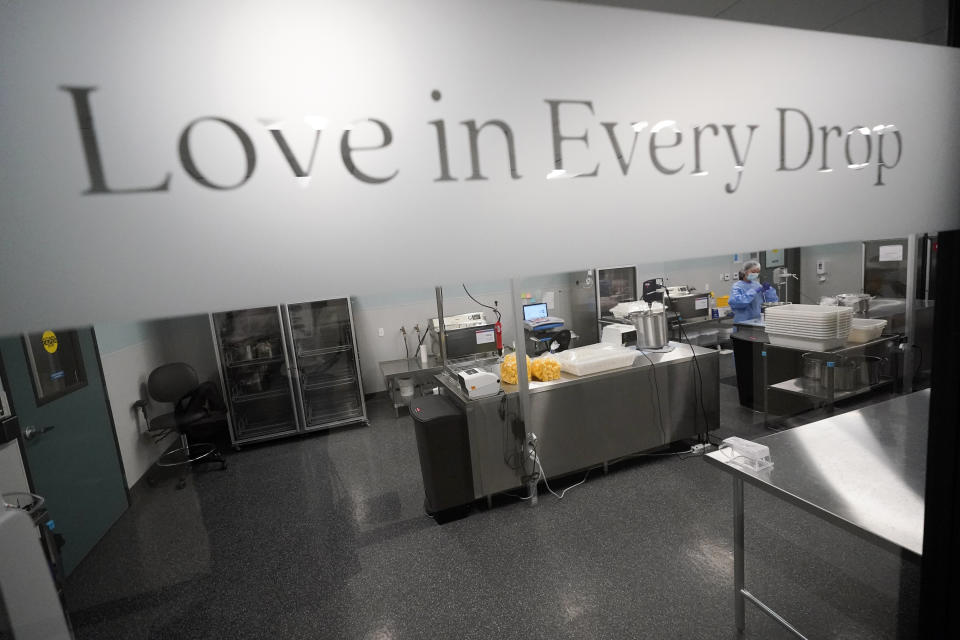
<point x="498" y="332"/>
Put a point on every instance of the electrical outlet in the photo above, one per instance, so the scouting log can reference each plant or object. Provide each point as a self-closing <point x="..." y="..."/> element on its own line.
<point x="380" y="332"/>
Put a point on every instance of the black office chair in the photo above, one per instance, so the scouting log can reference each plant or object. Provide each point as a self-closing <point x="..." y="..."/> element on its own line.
<point x="197" y="407"/>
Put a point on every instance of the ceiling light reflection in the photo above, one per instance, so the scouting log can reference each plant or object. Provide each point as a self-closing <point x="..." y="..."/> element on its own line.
<point x="663" y="124"/>
<point x="317" y="122"/>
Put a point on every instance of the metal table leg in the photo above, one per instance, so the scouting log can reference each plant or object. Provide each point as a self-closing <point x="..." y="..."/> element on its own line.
<point x="740" y="594"/>
<point x="738" y="599"/>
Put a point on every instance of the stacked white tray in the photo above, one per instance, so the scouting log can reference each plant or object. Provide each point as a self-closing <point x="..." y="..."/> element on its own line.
<point x="808" y="326"/>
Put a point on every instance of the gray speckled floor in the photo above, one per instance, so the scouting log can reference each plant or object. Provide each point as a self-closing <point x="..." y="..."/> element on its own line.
<point x="325" y="537"/>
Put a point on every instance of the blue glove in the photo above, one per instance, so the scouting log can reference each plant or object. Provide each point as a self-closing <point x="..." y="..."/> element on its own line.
<point x="766" y="287"/>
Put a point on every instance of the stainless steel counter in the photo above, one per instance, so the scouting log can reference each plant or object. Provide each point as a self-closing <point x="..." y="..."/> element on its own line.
<point x="864" y="471"/>
<point x="681" y="353"/>
<point x="586" y="421"/>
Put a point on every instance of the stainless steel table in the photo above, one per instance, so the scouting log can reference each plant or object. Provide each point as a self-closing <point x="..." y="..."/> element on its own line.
<point x="393" y="370"/>
<point x="863" y="471"/>
<point x="591" y="420"/>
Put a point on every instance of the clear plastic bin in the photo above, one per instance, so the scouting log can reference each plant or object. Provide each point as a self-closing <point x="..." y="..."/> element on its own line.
<point x="866" y="329"/>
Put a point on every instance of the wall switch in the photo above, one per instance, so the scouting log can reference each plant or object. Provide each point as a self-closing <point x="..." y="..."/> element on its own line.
<point x="380" y="332"/>
<point x="821" y="267"/>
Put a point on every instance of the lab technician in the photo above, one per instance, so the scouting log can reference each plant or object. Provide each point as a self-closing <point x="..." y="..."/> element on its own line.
<point x="747" y="294"/>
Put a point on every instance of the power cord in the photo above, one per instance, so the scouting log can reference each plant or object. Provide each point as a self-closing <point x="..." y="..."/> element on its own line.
<point x="696" y="362"/>
<point x="543" y="474"/>
<point x="656" y="385"/>
<point x="494" y="309"/>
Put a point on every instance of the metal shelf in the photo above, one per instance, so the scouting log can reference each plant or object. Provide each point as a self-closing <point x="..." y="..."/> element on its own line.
<point x="324" y="351"/>
<point x="255" y="361"/>
<point x="333" y="419"/>
<point x="325" y="384"/>
<point x="251" y="430"/>
<point x="813" y="389"/>
<point x="260" y="395"/>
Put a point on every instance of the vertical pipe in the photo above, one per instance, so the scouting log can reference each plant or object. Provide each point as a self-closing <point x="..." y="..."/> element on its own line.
<point x="522" y="384"/>
<point x="909" y="310"/>
<point x="738" y="577"/>
<point x="441" y="328"/>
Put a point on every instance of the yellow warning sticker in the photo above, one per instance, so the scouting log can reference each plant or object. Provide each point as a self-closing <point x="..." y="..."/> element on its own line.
<point x="49" y="341"/>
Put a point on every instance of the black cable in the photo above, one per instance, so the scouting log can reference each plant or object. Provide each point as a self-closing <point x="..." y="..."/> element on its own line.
<point x="406" y="347"/>
<point x="656" y="384"/>
<point x="494" y="309"/>
<point x="916" y="371"/>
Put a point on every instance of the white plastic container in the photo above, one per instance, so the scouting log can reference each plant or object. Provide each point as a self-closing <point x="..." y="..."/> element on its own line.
<point x="866" y="329"/>
<point x="595" y="358"/>
<point x="809" y="344"/>
<point x="406" y="389"/>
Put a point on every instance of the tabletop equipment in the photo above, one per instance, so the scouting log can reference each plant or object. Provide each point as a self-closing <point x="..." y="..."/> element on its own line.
<point x="478" y="383"/>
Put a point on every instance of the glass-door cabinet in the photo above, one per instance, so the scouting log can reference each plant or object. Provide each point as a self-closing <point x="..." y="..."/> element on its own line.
<point x="289" y="369"/>
<point x="324" y="351"/>
<point x="255" y="373"/>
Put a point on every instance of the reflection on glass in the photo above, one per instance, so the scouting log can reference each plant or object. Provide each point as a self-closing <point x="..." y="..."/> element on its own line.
<point x="255" y="372"/>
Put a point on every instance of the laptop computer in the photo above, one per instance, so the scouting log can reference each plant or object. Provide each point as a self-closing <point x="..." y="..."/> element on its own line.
<point x="535" y="317"/>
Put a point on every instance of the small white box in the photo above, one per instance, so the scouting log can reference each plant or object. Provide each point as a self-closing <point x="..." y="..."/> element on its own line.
<point x="747" y="454"/>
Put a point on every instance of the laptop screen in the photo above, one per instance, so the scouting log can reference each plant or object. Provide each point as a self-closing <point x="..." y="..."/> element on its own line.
<point x="532" y="312"/>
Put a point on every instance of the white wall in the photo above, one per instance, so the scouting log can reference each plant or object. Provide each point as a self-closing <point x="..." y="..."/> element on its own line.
<point x="844" y="270"/>
<point x="129" y="352"/>
<point x="13" y="475"/>
<point x="188" y="339"/>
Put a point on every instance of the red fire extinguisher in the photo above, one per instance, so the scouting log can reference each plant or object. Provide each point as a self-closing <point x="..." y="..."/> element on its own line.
<point x="498" y="331"/>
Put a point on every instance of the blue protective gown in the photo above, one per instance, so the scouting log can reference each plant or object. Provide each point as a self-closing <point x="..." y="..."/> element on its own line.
<point x="746" y="298"/>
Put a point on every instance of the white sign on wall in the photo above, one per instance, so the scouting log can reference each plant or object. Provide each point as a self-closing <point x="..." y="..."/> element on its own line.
<point x="167" y="158"/>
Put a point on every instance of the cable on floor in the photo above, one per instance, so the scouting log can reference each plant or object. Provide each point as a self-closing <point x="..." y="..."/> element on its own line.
<point x="543" y="474"/>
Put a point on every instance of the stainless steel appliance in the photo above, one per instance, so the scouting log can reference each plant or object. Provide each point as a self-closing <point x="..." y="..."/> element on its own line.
<point x="624" y="335"/>
<point x="289" y="369"/>
<point x="690" y="306"/>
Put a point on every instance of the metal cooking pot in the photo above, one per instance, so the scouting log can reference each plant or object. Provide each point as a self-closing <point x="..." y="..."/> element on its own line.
<point x="651" y="329"/>
<point x="870" y="370"/>
<point x="812" y="364"/>
<point x="849" y="373"/>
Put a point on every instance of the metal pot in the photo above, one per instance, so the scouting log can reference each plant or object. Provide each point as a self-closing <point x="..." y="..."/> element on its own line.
<point x="849" y="373"/>
<point x="870" y="370"/>
<point x="812" y="365"/>
<point x="651" y="329"/>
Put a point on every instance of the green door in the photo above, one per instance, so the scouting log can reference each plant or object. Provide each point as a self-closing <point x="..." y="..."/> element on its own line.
<point x="56" y="381"/>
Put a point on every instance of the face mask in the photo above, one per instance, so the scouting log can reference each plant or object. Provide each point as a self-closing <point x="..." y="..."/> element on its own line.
<point x="753" y="277"/>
